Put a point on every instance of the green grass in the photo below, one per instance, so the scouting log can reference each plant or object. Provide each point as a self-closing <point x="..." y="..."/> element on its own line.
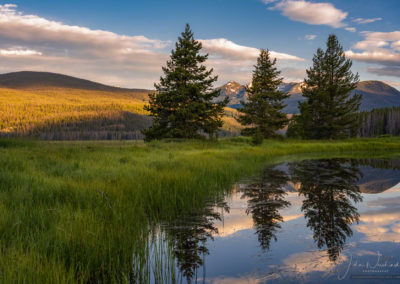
<point x="80" y="211"/>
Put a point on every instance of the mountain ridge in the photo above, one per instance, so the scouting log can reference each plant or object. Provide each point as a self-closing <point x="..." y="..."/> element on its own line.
<point x="376" y="94"/>
<point x="38" y="79"/>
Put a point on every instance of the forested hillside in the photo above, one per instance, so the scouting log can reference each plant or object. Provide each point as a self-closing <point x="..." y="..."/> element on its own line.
<point x="61" y="113"/>
<point x="57" y="107"/>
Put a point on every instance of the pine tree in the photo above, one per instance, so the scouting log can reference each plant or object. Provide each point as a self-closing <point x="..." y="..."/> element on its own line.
<point x="183" y="105"/>
<point x="263" y="111"/>
<point x="330" y="109"/>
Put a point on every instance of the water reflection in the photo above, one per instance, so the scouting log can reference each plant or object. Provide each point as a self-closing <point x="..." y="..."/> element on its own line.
<point x="265" y="198"/>
<point x="188" y="236"/>
<point x="327" y="192"/>
<point x="329" y="187"/>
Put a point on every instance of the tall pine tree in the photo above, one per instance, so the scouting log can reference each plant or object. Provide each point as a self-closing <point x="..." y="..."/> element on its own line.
<point x="330" y="109"/>
<point x="183" y="106"/>
<point x="263" y="111"/>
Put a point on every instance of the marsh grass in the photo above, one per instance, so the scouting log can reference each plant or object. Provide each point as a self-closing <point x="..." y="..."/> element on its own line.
<point x="80" y="212"/>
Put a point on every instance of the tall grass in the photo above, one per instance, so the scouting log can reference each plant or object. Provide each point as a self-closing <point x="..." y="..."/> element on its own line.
<point x="79" y="212"/>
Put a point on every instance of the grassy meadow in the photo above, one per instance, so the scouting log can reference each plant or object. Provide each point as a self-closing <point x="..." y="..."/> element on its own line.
<point x="80" y="212"/>
<point x="79" y="114"/>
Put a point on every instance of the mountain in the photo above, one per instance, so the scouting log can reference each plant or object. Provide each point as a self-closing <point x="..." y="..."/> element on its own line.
<point x="376" y="94"/>
<point x="287" y="87"/>
<point x="41" y="80"/>
<point x="235" y="92"/>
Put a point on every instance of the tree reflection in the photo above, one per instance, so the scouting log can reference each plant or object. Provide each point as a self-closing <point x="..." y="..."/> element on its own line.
<point x="188" y="236"/>
<point x="329" y="187"/>
<point x="265" y="198"/>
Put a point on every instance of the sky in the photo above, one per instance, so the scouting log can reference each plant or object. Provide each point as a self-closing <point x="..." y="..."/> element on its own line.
<point x="125" y="43"/>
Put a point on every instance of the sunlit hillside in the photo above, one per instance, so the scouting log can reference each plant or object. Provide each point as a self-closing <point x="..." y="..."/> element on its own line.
<point x="70" y="113"/>
<point x="61" y="113"/>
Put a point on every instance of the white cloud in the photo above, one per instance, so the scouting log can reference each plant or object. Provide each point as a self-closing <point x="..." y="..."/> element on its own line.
<point x="228" y="49"/>
<point x="311" y="13"/>
<point x="310" y="37"/>
<point x="380" y="57"/>
<point x="381" y="48"/>
<point x="370" y="44"/>
<point x="351" y="29"/>
<point x="312" y="261"/>
<point x="32" y="28"/>
<point x="377" y="40"/>
<point x="19" y="51"/>
<point x="380" y="226"/>
<point x="365" y="21"/>
<point x="382" y="36"/>
<point x="232" y="61"/>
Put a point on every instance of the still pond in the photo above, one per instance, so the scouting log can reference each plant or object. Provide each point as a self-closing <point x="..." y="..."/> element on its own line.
<point x="313" y="221"/>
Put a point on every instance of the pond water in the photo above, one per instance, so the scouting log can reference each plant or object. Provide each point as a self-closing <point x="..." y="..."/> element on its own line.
<point x="314" y="221"/>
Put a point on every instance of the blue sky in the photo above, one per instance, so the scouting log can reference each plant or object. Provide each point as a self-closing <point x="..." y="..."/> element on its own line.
<point x="125" y="43"/>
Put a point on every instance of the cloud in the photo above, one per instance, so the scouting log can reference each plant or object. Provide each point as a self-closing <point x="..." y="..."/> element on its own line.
<point x="393" y="84"/>
<point x="19" y="51"/>
<point x="235" y="62"/>
<point x="351" y="29"/>
<point x="380" y="226"/>
<point x="382" y="223"/>
<point x="293" y="74"/>
<point x="32" y="28"/>
<point x="370" y="44"/>
<point x="396" y="45"/>
<point x="311" y="13"/>
<point x="375" y="40"/>
<point x="382" y="48"/>
<point x="393" y="71"/>
<point x="225" y="48"/>
<point x="310" y="37"/>
<point x="379" y="57"/>
<point x="235" y="220"/>
<point x="365" y="21"/>
<point x="312" y="261"/>
<point x="268" y="1"/>
<point x="244" y="279"/>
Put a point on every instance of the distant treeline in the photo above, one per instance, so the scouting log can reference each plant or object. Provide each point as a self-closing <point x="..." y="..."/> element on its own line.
<point x="383" y="121"/>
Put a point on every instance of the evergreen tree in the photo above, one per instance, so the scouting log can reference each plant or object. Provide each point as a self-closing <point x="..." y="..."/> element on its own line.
<point x="183" y="105"/>
<point x="330" y="110"/>
<point x="263" y="111"/>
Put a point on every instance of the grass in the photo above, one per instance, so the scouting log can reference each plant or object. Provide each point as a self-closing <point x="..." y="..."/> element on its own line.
<point x="79" y="212"/>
